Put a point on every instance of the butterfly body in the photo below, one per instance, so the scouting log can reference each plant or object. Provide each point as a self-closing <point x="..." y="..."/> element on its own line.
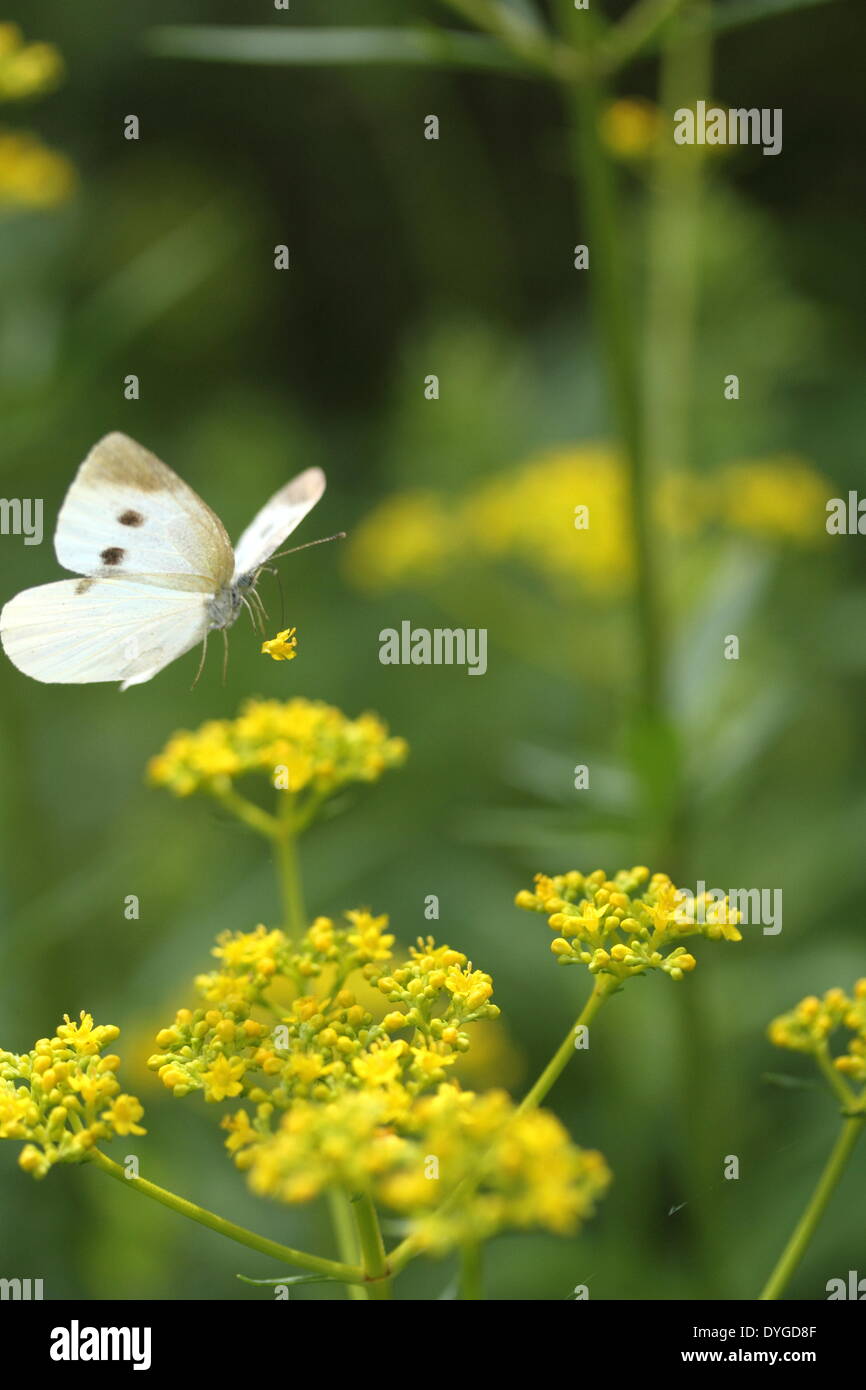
<point x="158" y="571"/>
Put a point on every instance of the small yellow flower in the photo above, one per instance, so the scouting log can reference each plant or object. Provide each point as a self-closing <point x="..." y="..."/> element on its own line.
<point x="283" y="647"/>
<point x="223" y="1078"/>
<point x="124" y="1114"/>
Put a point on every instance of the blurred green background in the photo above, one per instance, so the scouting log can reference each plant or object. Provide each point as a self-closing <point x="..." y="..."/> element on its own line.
<point x="454" y="257"/>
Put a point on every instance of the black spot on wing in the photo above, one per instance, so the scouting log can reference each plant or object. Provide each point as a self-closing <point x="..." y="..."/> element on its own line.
<point x="131" y="518"/>
<point x="112" y="555"/>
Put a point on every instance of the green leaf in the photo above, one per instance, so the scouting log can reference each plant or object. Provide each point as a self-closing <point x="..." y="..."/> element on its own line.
<point x="735" y="16"/>
<point x="789" y="1083"/>
<point x="412" y="47"/>
<point x="291" y="1279"/>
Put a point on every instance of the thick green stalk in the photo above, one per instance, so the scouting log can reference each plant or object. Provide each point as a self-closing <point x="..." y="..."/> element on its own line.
<point x="344" y="1231"/>
<point x="288" y="867"/>
<point x="346" y="1273"/>
<point x="817" y="1205"/>
<point x="372" y="1248"/>
<point x="471" y="1283"/>
<point x="609" y="283"/>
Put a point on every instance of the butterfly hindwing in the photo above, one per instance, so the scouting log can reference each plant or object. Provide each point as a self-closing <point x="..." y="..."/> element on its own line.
<point x="82" y="630"/>
<point x="277" y="520"/>
<point x="126" y="513"/>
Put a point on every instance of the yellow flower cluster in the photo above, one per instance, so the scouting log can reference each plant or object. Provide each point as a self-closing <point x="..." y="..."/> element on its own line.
<point x="31" y="174"/>
<point x="811" y="1023"/>
<point x="26" y="69"/>
<point x="528" y="514"/>
<point x="298" y="744"/>
<point x="334" y="1097"/>
<point x="244" y="1041"/>
<point x="64" y="1097"/>
<point x="504" y="1169"/>
<point x="625" y="926"/>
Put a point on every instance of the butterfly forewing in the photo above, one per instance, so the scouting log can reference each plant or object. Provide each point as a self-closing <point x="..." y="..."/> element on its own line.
<point x="126" y="514"/>
<point x="277" y="520"/>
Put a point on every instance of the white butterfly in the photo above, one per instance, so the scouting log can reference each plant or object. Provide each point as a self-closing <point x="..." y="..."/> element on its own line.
<point x="159" y="572"/>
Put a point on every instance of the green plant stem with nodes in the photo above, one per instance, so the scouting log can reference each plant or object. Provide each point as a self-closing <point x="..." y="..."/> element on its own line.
<point x="817" y="1205"/>
<point x="585" y="100"/>
<point x="376" y="1269"/>
<point x="345" y="1273"/>
<point x="605" y="985"/>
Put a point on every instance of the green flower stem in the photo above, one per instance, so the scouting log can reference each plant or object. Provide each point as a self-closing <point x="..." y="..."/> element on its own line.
<point x="288" y="868"/>
<point x="808" y="1223"/>
<point x="604" y="986"/>
<point x="638" y="27"/>
<point x="376" y="1268"/>
<point x="527" y="40"/>
<point x="248" y="813"/>
<point x="837" y="1084"/>
<point x="344" y="1230"/>
<point x="585" y="101"/>
<point x="345" y="1273"/>
<point x="471" y="1287"/>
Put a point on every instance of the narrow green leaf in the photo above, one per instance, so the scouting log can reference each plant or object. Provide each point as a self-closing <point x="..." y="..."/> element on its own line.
<point x="291" y="1279"/>
<point x="788" y="1082"/>
<point x="409" y="47"/>
<point x="743" y="12"/>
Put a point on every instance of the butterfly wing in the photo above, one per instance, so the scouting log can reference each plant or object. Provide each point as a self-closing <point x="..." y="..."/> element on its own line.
<point x="81" y="630"/>
<point x="126" y="513"/>
<point x="277" y="520"/>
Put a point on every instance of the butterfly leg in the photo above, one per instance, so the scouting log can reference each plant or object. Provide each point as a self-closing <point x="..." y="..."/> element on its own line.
<point x="225" y="653"/>
<point x="201" y="663"/>
<point x="254" y="617"/>
<point x="260" y="603"/>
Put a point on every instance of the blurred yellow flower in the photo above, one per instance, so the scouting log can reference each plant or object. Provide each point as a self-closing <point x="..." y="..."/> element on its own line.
<point x="630" y="127"/>
<point x="565" y="513"/>
<point x="26" y="69"/>
<point x="296" y="744"/>
<point x="407" y="535"/>
<point x="780" y="497"/>
<point x="31" y="175"/>
<point x="811" y="1023"/>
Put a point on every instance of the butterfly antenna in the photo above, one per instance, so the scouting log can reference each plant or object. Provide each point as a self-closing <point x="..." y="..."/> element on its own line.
<point x="323" y="540"/>
<point x="225" y="653"/>
<point x="282" y="598"/>
<point x="201" y="663"/>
